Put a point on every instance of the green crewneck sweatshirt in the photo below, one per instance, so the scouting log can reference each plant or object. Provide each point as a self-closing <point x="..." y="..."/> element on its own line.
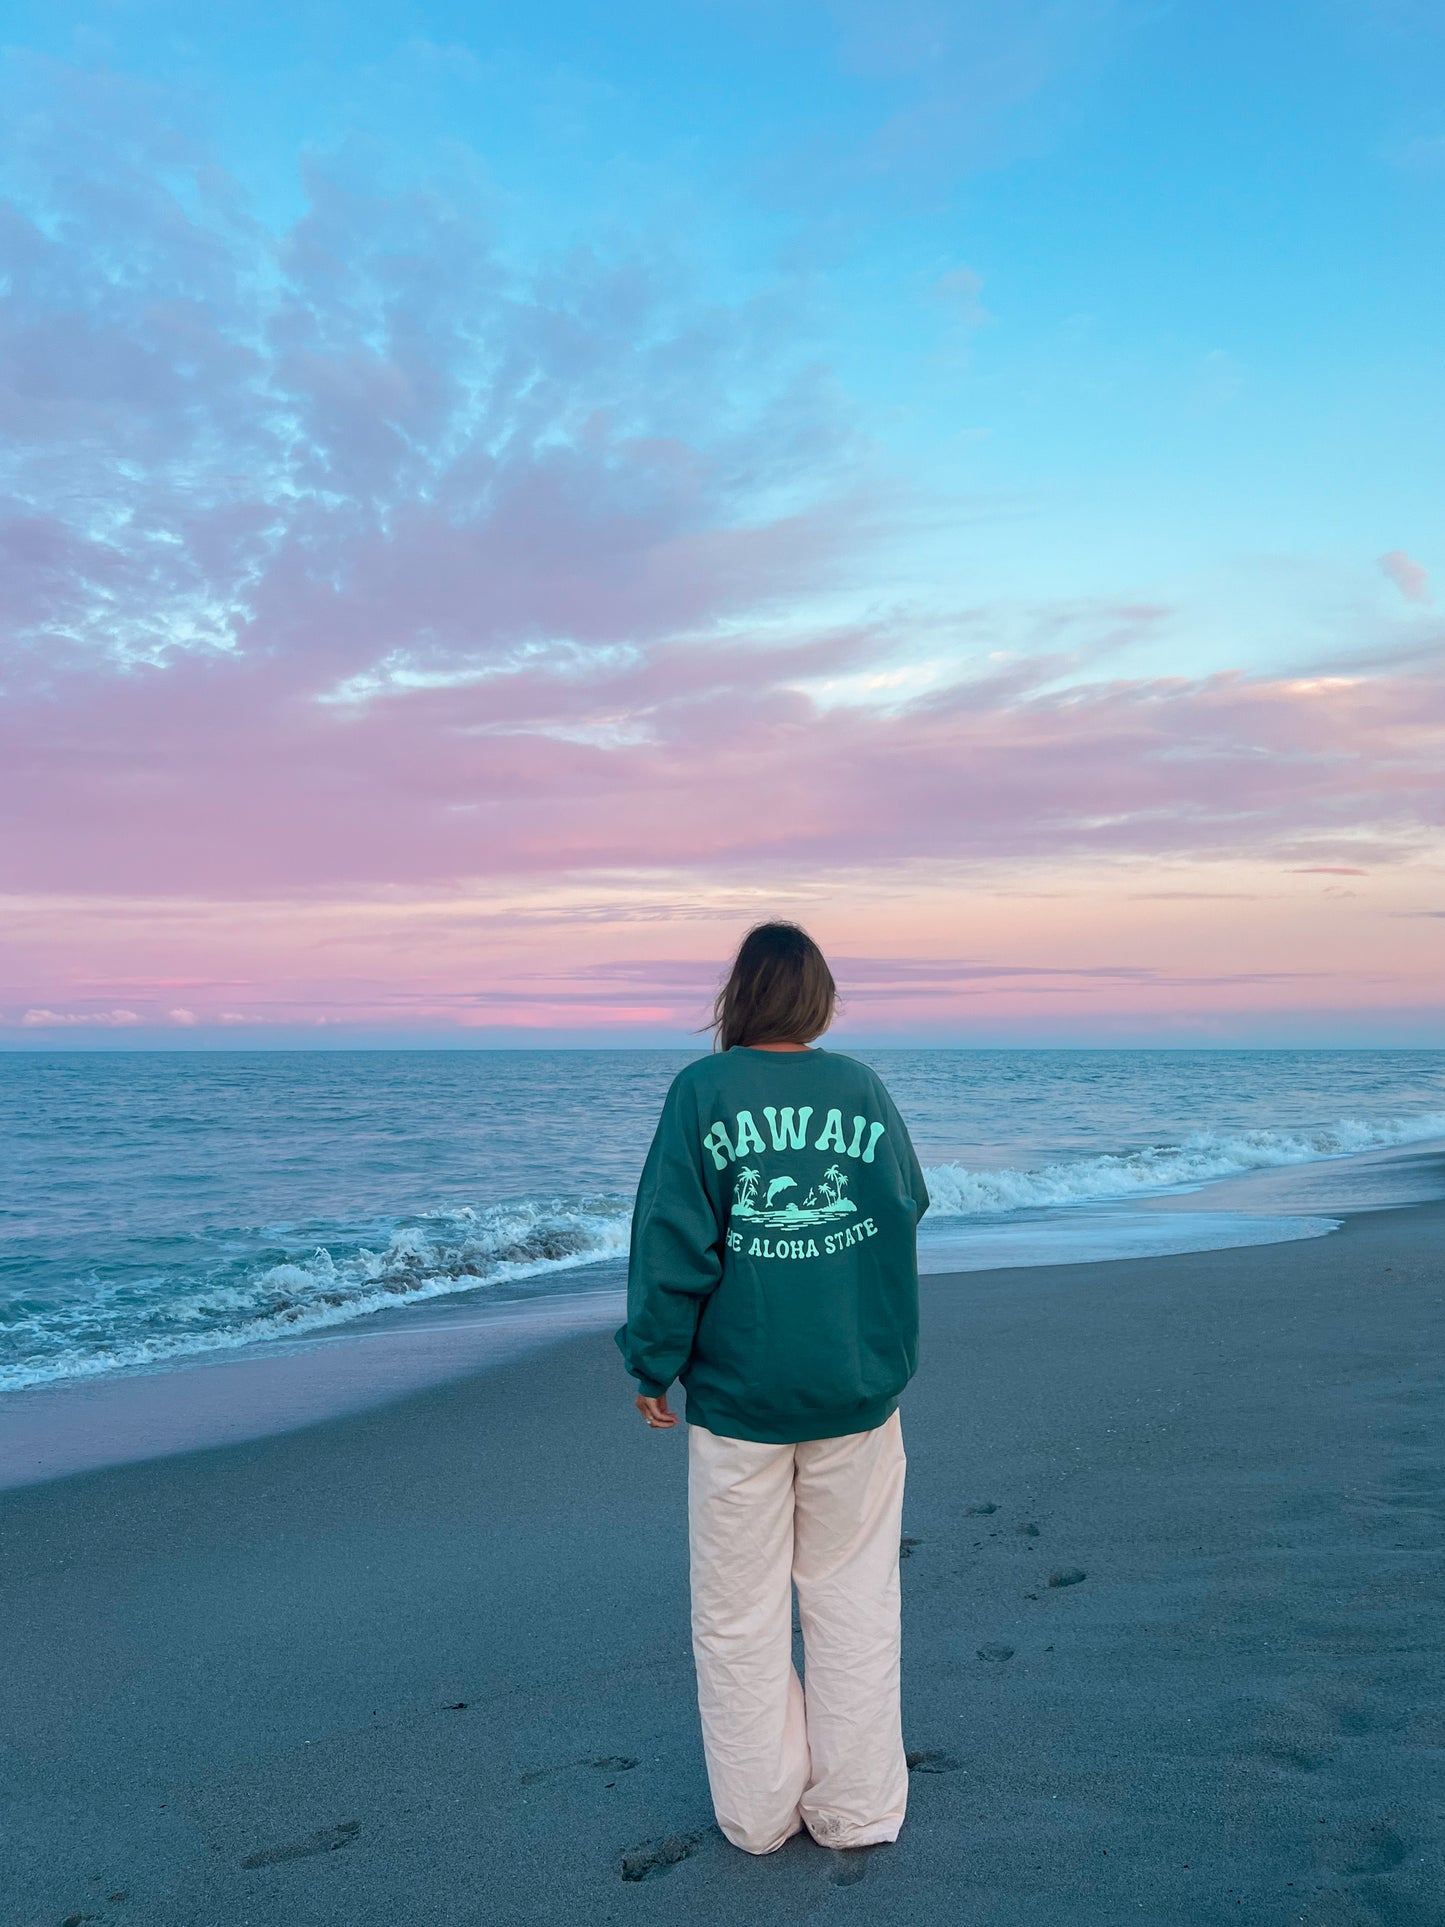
<point x="773" y="1265"/>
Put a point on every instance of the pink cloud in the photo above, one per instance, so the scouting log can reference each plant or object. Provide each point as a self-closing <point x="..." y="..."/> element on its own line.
<point x="93" y="1019"/>
<point x="221" y="775"/>
<point x="1408" y="576"/>
<point x="369" y="434"/>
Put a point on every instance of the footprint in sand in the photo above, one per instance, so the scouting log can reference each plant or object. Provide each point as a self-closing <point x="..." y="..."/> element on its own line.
<point x="324" y="1840"/>
<point x="611" y="1763"/>
<point x="1362" y="1848"/>
<point x="853" y="1864"/>
<point x="656" y="1857"/>
<point x="996" y="1650"/>
<point x="934" y="1762"/>
<point x="1069" y="1576"/>
<point x="1028" y="1529"/>
<point x="1296" y="1757"/>
<point x="905" y="1547"/>
<point x="983" y="1510"/>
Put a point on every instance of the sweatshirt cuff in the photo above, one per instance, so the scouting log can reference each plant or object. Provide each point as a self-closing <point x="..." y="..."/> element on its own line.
<point x="650" y="1387"/>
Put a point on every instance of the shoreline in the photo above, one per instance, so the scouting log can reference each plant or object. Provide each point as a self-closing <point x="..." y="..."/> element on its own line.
<point x="194" y="1401"/>
<point x="257" y="1227"/>
<point x="200" y="1400"/>
<point x="429" y="1661"/>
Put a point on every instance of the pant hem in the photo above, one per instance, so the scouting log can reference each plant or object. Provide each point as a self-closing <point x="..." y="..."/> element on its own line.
<point x="761" y="1852"/>
<point x="865" y="1837"/>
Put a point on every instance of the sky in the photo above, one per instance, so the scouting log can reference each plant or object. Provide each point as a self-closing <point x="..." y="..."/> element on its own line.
<point x="494" y="501"/>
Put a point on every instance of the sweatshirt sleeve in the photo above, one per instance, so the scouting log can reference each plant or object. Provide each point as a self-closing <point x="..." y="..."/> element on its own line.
<point x="676" y="1257"/>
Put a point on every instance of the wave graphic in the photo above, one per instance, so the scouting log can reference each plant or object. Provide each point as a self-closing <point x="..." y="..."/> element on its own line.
<point x="957" y="1191"/>
<point x="122" y="1326"/>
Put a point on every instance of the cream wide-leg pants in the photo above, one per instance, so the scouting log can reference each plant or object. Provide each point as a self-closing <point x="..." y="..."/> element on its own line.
<point x="824" y="1516"/>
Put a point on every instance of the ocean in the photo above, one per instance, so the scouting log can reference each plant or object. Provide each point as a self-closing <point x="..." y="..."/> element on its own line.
<point x="161" y="1209"/>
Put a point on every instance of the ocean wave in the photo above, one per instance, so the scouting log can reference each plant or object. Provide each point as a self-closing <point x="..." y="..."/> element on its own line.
<point x="287" y="1289"/>
<point x="957" y="1191"/>
<point x="151" y="1322"/>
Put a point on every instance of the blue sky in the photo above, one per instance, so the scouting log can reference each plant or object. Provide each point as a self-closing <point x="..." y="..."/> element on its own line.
<point x="1207" y="241"/>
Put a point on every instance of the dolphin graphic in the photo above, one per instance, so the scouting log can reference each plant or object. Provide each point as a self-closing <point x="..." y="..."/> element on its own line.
<point x="777" y="1185"/>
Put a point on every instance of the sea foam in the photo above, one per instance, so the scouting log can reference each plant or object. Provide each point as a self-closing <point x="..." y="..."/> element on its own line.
<point x="957" y="1190"/>
<point x="155" y="1321"/>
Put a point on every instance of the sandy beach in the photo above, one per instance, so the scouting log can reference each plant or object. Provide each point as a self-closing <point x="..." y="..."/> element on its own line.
<point x="1173" y="1592"/>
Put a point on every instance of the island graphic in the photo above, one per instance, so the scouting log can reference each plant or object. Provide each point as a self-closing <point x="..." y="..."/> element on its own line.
<point x="824" y="1200"/>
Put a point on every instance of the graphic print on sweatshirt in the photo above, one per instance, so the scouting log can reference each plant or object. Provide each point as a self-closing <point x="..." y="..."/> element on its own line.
<point x="824" y="1200"/>
<point x="761" y="1202"/>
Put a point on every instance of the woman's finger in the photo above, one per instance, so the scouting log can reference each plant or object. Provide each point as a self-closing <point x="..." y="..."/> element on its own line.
<point x="656" y="1412"/>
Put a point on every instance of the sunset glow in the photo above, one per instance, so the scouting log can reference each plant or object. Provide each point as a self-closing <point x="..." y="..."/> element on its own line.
<point x="542" y="496"/>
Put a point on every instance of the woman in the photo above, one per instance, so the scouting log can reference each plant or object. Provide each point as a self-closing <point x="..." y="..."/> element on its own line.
<point x="774" y="1273"/>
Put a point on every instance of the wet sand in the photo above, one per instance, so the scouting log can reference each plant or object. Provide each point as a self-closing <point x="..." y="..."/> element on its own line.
<point x="1175" y="1611"/>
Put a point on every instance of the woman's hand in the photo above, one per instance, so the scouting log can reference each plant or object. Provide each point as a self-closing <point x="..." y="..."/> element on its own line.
<point x="655" y="1411"/>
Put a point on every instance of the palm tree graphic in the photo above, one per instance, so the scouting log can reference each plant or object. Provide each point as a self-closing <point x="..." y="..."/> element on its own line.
<point x="747" y="1188"/>
<point x="833" y="1184"/>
